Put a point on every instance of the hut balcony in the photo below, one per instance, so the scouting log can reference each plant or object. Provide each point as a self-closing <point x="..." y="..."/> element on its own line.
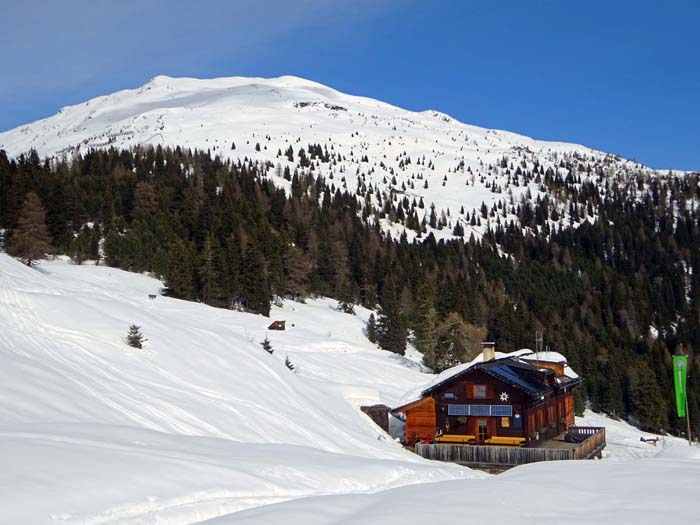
<point x="576" y="443"/>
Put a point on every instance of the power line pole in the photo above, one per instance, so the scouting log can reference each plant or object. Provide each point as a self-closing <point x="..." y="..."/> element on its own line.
<point x="539" y="339"/>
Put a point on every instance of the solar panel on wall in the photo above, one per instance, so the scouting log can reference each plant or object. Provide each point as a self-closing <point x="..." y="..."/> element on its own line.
<point x="457" y="410"/>
<point x="501" y="410"/>
<point x="480" y="410"/>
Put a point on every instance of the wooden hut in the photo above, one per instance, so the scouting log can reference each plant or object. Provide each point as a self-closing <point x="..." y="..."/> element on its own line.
<point x="518" y="400"/>
<point x="277" y="325"/>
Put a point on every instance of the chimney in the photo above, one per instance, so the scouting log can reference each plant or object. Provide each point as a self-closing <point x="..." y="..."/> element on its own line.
<point x="489" y="351"/>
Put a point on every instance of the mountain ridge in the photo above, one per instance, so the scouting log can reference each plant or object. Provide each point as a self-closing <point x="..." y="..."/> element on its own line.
<point x="167" y="83"/>
<point x="456" y="168"/>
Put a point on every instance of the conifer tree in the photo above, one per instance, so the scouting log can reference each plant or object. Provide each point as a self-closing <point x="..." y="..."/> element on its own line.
<point x="297" y="268"/>
<point x="267" y="346"/>
<point x="231" y="269"/>
<point x="288" y="363"/>
<point x="134" y="338"/>
<point x="391" y="328"/>
<point x="112" y="248"/>
<point x="457" y="341"/>
<point x="81" y="245"/>
<point x="425" y="324"/>
<point x="182" y="263"/>
<point x="647" y="400"/>
<point x="372" y="329"/>
<point x="30" y="239"/>
<point x="145" y="203"/>
<point x="209" y="271"/>
<point x="255" y="294"/>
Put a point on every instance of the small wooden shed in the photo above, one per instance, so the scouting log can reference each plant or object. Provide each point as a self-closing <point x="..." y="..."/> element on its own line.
<point x="277" y="325"/>
<point x="379" y="414"/>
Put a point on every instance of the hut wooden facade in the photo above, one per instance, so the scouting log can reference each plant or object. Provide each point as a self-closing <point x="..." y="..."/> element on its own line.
<point x="518" y="401"/>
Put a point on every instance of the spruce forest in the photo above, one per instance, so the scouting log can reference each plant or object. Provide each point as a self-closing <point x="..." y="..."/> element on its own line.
<point x="617" y="295"/>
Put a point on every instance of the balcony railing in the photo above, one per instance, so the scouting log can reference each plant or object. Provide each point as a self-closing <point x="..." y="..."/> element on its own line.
<point x="508" y="456"/>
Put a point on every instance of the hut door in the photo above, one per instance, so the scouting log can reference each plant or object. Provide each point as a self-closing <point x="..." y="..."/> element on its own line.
<point x="482" y="428"/>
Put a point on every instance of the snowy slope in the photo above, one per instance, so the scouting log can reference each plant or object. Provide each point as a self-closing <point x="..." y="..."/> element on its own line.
<point x="370" y="143"/>
<point x="202" y="423"/>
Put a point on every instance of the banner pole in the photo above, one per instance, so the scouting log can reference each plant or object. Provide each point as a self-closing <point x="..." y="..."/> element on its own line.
<point x="687" y="420"/>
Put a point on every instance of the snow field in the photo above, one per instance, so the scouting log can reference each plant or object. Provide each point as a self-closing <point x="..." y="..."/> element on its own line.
<point x="203" y="424"/>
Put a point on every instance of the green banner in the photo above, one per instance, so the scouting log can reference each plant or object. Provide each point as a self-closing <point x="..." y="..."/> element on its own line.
<point x="680" y="372"/>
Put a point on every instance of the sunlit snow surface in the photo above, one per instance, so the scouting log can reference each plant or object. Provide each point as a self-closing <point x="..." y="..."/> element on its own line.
<point x="659" y="490"/>
<point x="203" y="424"/>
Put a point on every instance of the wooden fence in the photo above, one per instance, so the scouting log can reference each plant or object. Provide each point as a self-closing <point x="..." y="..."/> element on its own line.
<point x="594" y="443"/>
<point x="495" y="456"/>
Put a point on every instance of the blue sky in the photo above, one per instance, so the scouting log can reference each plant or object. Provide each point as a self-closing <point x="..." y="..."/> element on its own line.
<point x="621" y="76"/>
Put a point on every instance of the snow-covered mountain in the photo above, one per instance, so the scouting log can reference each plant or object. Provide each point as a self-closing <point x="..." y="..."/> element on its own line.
<point x="203" y="424"/>
<point x="363" y="142"/>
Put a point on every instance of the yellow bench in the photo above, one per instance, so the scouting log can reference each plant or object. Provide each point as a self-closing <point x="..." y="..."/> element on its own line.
<point x="508" y="441"/>
<point x="454" y="438"/>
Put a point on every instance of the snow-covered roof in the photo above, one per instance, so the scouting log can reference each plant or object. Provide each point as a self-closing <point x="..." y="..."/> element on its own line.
<point x="525" y="354"/>
<point x="551" y="357"/>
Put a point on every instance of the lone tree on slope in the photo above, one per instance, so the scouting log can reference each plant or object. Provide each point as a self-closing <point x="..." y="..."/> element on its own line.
<point x="372" y="329"/>
<point x="288" y="363"/>
<point x="30" y="239"/>
<point x="135" y="338"/>
<point x="267" y="346"/>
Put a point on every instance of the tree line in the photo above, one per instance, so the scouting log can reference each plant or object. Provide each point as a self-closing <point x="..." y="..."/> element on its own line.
<point x="617" y="295"/>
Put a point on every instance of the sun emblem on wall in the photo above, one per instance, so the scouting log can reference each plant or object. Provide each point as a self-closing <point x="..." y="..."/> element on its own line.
<point x="504" y="396"/>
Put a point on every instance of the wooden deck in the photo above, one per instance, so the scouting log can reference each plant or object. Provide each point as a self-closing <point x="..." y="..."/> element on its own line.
<point x="508" y="456"/>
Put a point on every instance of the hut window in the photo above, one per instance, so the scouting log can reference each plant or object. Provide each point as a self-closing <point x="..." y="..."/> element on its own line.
<point x="479" y="391"/>
<point x="448" y="395"/>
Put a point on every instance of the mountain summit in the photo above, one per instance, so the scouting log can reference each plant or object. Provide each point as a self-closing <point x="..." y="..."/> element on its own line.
<point x="208" y="113"/>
